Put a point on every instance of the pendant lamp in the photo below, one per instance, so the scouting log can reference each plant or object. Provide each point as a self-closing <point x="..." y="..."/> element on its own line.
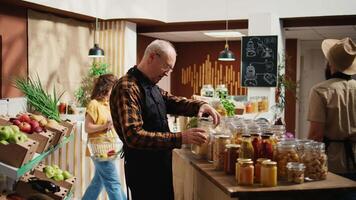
<point x="96" y="51"/>
<point x="226" y="54"/>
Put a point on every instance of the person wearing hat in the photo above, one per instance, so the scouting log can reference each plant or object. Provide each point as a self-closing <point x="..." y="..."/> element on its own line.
<point x="332" y="107"/>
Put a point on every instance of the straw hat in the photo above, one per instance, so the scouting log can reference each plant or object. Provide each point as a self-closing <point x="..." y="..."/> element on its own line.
<point x="341" y="54"/>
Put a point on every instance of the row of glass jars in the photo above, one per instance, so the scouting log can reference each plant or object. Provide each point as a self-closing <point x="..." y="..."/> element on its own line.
<point x="220" y="92"/>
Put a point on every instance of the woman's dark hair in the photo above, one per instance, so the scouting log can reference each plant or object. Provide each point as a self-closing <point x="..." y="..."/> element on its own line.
<point x="102" y="86"/>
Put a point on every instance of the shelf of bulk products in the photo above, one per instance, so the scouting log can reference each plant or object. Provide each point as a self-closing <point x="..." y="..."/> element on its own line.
<point x="208" y="183"/>
<point x="15" y="173"/>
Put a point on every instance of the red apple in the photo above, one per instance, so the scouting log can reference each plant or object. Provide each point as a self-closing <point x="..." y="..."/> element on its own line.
<point x="25" y="127"/>
<point x="34" y="124"/>
<point x="16" y="122"/>
<point x="24" y="118"/>
<point x="38" y="129"/>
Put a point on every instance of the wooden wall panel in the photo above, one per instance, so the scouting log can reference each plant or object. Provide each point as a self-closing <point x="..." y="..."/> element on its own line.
<point x="197" y="65"/>
<point x="13" y="29"/>
<point x="291" y="72"/>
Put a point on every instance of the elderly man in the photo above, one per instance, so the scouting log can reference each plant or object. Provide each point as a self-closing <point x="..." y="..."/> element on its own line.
<point x="139" y="110"/>
<point x="332" y="107"/>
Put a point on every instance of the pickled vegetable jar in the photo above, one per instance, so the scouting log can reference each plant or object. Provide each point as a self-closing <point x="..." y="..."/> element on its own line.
<point x="295" y="172"/>
<point x="266" y="147"/>
<point x="256" y="143"/>
<point x="221" y="91"/>
<point x="246" y="149"/>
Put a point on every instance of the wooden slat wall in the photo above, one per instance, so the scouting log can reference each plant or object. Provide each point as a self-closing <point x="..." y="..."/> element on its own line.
<point x="111" y="39"/>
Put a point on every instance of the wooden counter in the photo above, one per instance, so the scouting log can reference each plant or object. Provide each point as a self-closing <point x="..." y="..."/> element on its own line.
<point x="204" y="182"/>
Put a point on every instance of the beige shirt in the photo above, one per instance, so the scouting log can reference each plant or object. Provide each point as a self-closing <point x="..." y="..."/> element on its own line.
<point x="333" y="102"/>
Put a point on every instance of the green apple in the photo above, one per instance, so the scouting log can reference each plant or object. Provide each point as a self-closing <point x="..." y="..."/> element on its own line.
<point x="58" y="177"/>
<point x="14" y="138"/>
<point x="22" y="137"/>
<point x="4" y="142"/>
<point x="48" y="168"/>
<point x="15" y="128"/>
<point x="4" y="135"/>
<point x="67" y="175"/>
<point x="55" y="167"/>
<point x="6" y="131"/>
<point x="50" y="173"/>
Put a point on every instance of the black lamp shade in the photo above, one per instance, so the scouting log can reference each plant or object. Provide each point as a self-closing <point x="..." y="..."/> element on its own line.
<point x="96" y="52"/>
<point x="226" y="55"/>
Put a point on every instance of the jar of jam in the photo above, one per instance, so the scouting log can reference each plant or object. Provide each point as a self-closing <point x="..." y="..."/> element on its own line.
<point x="266" y="147"/>
<point x="237" y="171"/>
<point x="286" y="152"/>
<point x="219" y="150"/>
<point x="246" y="149"/>
<point x="230" y="158"/>
<point x="258" y="166"/>
<point x="246" y="173"/>
<point x="295" y="172"/>
<point x="269" y="174"/>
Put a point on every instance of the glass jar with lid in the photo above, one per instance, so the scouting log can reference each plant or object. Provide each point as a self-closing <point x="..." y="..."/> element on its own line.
<point x="230" y="158"/>
<point x="258" y="166"/>
<point x="269" y="174"/>
<point x="246" y="149"/>
<point x="237" y="170"/>
<point x="219" y="149"/>
<point x="246" y="173"/>
<point x="201" y="151"/>
<point x="266" y="147"/>
<point x="315" y="161"/>
<point x="256" y="143"/>
<point x="207" y="91"/>
<point x="286" y="152"/>
<point x="239" y="128"/>
<point x="221" y="91"/>
<point x="278" y="131"/>
<point x="295" y="172"/>
<point x="211" y="145"/>
<point x="301" y="146"/>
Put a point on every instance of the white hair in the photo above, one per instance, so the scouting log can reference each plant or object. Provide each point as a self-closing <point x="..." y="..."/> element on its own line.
<point x="161" y="47"/>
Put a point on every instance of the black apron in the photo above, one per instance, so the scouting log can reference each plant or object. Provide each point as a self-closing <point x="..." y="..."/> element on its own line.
<point x="350" y="157"/>
<point x="149" y="172"/>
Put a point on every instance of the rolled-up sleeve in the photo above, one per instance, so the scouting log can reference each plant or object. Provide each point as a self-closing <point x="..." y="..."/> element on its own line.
<point x="317" y="107"/>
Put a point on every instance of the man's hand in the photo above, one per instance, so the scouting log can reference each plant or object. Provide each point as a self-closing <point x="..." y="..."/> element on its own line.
<point x="194" y="136"/>
<point x="207" y="109"/>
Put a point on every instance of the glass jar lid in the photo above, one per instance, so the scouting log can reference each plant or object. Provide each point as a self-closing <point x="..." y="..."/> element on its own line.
<point x="269" y="163"/>
<point x="232" y="146"/>
<point x="260" y="160"/>
<point x="241" y="160"/>
<point x="295" y="166"/>
<point x="246" y="135"/>
<point x="266" y="136"/>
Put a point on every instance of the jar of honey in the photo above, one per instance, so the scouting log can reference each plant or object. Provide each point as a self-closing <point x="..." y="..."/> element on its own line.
<point x="269" y="174"/>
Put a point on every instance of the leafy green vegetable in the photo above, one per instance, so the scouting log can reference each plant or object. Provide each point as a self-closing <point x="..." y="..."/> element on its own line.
<point x="229" y="107"/>
<point x="38" y="98"/>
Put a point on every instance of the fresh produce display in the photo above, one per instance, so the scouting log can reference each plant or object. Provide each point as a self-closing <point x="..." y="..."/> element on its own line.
<point x="27" y="124"/>
<point x="11" y="134"/>
<point x="55" y="173"/>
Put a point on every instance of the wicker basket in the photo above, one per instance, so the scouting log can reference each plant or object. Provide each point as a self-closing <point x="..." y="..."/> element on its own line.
<point x="104" y="148"/>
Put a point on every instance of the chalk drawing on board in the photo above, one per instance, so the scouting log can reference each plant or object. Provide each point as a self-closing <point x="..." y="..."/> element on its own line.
<point x="250" y="49"/>
<point x="267" y="64"/>
<point x="250" y="77"/>
<point x="269" y="78"/>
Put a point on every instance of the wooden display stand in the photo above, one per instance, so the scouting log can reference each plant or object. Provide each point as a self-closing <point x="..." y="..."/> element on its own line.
<point x="25" y="189"/>
<point x="18" y="154"/>
<point x="69" y="126"/>
<point x="68" y="184"/>
<point x="59" y="133"/>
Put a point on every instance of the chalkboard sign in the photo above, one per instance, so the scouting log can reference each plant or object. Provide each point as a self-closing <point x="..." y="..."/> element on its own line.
<point x="259" y="61"/>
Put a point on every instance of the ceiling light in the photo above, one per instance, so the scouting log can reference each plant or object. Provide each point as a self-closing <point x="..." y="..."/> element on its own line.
<point x="224" y="34"/>
<point x="96" y="51"/>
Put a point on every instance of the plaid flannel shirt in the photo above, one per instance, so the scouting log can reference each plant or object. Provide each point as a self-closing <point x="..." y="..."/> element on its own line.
<point x="126" y="108"/>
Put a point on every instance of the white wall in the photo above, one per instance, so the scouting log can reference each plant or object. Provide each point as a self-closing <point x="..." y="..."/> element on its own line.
<point x="201" y="10"/>
<point x="130" y="46"/>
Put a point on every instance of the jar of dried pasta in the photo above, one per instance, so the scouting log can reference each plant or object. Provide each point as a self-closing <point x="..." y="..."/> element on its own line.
<point x="315" y="161"/>
<point x="286" y="152"/>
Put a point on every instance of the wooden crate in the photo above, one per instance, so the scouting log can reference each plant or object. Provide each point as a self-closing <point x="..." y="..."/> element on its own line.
<point x="58" y="133"/>
<point x="69" y="126"/>
<point x="18" y="154"/>
<point x="68" y="184"/>
<point x="24" y="189"/>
